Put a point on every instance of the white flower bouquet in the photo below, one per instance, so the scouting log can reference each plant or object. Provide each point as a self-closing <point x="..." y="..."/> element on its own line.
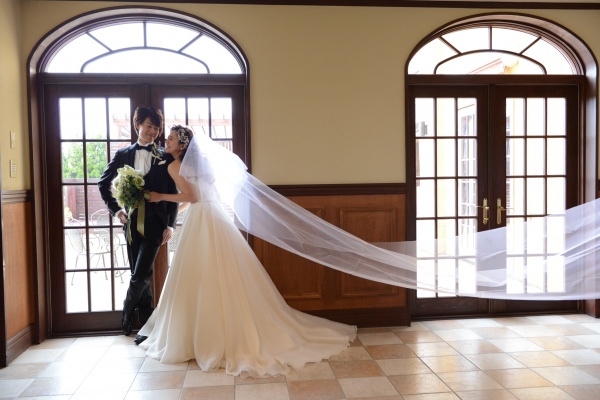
<point x="130" y="193"/>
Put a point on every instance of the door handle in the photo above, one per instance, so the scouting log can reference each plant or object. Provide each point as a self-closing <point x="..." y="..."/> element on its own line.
<point x="486" y="209"/>
<point x="499" y="210"/>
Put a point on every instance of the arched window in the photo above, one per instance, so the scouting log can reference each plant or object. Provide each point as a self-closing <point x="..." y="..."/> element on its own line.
<point x="495" y="138"/>
<point x="91" y="73"/>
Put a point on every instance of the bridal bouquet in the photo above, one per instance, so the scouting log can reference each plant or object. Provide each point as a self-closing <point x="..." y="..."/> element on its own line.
<point x="130" y="193"/>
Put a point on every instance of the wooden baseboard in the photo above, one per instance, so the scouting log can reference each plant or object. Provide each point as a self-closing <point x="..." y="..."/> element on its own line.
<point x="17" y="344"/>
<point x="367" y="317"/>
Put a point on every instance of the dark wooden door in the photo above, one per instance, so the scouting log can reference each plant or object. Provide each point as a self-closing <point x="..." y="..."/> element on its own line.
<point x="486" y="146"/>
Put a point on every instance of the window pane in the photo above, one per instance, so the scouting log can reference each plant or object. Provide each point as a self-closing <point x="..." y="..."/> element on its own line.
<point x="218" y="58"/>
<point x="72" y="162"/>
<point x="446" y="234"/>
<point x="100" y="290"/>
<point x="515" y="195"/>
<point x="121" y="36"/>
<point x="175" y="112"/>
<point x="425" y="157"/>
<point x="467" y="164"/>
<point x="168" y="36"/>
<point x="221" y="118"/>
<point x="536" y="117"/>
<point x="75" y="245"/>
<point x="425" y="198"/>
<point x="119" y="118"/>
<point x="71" y="118"/>
<point x="96" y="160"/>
<point x="470" y="39"/>
<point x="515" y="117"/>
<point x="77" y="291"/>
<point x="424" y="117"/>
<point x="95" y="118"/>
<point x="425" y="238"/>
<point x="467" y="197"/>
<point x="536" y="196"/>
<point x="557" y="156"/>
<point x="445" y="115"/>
<point x="446" y="157"/>
<point x="198" y="115"/>
<point x="489" y="63"/>
<point x="556" y="195"/>
<point x="557" y="116"/>
<point x="511" y="40"/>
<point x="515" y="157"/>
<point x="72" y="56"/>
<point x="429" y="56"/>
<point x="550" y="57"/>
<point x="446" y="277"/>
<point x="536" y="157"/>
<point x="446" y="198"/>
<point x="146" y="61"/>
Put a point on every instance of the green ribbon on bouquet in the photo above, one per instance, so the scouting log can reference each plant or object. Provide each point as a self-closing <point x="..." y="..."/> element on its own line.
<point x="141" y="206"/>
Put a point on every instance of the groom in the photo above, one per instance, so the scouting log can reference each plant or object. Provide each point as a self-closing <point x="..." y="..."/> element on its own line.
<point x="159" y="220"/>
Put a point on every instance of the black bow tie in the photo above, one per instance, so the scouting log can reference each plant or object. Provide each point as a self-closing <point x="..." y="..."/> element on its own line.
<point x="140" y="147"/>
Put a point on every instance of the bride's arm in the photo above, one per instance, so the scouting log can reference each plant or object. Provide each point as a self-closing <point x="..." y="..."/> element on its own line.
<point x="186" y="191"/>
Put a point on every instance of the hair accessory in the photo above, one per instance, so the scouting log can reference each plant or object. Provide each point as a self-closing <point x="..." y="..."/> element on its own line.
<point x="182" y="136"/>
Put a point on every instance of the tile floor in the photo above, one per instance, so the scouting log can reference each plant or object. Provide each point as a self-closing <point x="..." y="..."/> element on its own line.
<point x="541" y="357"/>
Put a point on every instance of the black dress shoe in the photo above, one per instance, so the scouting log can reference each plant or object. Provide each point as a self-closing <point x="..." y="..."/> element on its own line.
<point x="140" y="339"/>
<point x="127" y="323"/>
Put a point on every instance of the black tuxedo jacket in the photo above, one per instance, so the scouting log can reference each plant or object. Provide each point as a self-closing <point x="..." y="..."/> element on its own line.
<point x="156" y="180"/>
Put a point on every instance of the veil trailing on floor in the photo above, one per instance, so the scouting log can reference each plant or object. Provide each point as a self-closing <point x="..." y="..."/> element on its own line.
<point x="550" y="258"/>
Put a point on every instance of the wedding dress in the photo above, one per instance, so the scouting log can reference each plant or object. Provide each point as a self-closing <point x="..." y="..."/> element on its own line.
<point x="220" y="307"/>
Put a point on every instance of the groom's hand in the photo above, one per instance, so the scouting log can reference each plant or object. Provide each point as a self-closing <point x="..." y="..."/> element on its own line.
<point x="167" y="235"/>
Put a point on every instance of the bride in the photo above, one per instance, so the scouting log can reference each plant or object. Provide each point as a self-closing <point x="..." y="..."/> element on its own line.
<point x="218" y="304"/>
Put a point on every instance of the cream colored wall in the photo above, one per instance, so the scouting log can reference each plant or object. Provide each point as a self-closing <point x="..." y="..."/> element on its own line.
<point x="13" y="109"/>
<point x="327" y="83"/>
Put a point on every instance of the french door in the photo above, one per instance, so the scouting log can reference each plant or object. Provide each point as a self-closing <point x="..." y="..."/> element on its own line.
<point x="84" y="126"/>
<point x="485" y="157"/>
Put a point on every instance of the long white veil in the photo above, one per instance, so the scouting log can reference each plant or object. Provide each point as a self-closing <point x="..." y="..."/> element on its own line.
<point x="566" y="265"/>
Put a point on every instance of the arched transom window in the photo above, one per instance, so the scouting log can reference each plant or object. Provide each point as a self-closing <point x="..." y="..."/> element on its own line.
<point x="145" y="47"/>
<point x="493" y="50"/>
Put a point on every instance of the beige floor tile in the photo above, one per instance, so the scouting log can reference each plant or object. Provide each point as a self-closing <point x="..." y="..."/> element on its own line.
<point x="414" y="326"/>
<point x="443" y="324"/>
<point x="67" y="368"/>
<point x="475" y="347"/>
<point x="479" y="323"/>
<point x="432" y="349"/>
<point x="579" y="357"/>
<point x="449" y="364"/>
<point x="255" y="381"/>
<point x="326" y="389"/>
<point x="518" y="378"/>
<point x="371" y="339"/>
<point x="583" y="392"/>
<point x="515" y="345"/>
<point x="208" y="392"/>
<point x="53" y="344"/>
<point x="158" y="380"/>
<point x="388" y="351"/>
<point x="452" y="335"/>
<point x="496" y="333"/>
<point x="115" y="365"/>
<point x="593" y="370"/>
<point x="94" y="396"/>
<point x="10" y="388"/>
<point x="125" y="351"/>
<point x="53" y="386"/>
<point x="267" y="391"/>
<point x="164" y="394"/>
<point x="312" y="372"/>
<point x="94" y="341"/>
<point x="355" y="369"/>
<point x="549" y="319"/>
<point x="197" y="378"/>
<point x="572" y="329"/>
<point x="398" y="397"/>
<point x="556" y="343"/>
<point x="494" y="361"/>
<point x="533" y="359"/>
<point x="367" y="387"/>
<point x="63" y="397"/>
<point x="403" y="366"/>
<point x="501" y="394"/>
<point x="418" y="337"/>
<point x="23" y="371"/>
<point x="352" y="353"/>
<point x="566" y="376"/>
<point x="580" y="318"/>
<point x="512" y="321"/>
<point x="152" y="365"/>
<point x="544" y="393"/>
<point x="595" y="326"/>
<point x="79" y="354"/>
<point x="106" y="383"/>
<point x="373" y="330"/>
<point x="432" y="396"/>
<point x="534" y="330"/>
<point x="588" y="341"/>
<point x="30" y="356"/>
<point x="418" y="384"/>
<point x="469" y="380"/>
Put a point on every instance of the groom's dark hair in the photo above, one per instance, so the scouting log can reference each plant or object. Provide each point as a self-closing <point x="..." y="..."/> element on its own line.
<point x="155" y="115"/>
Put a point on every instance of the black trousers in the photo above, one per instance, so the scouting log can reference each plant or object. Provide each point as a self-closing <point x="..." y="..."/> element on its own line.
<point x="141" y="253"/>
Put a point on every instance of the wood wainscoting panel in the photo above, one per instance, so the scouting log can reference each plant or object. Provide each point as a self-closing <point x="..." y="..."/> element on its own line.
<point x="19" y="273"/>
<point x="323" y="291"/>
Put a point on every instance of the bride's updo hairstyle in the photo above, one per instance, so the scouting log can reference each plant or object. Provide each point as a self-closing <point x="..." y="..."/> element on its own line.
<point x="184" y="136"/>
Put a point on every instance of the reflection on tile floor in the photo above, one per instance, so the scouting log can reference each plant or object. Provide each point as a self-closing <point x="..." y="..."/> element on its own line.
<point x="541" y="357"/>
